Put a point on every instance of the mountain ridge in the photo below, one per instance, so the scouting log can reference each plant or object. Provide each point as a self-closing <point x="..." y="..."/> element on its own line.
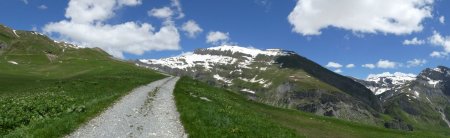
<point x="276" y="77"/>
<point x="424" y="97"/>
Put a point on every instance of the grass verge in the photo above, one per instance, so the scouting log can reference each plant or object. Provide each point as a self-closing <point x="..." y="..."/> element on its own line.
<point x="40" y="106"/>
<point x="227" y="114"/>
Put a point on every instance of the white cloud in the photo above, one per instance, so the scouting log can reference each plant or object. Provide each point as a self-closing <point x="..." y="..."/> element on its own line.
<point x="338" y="71"/>
<point x="416" y="62"/>
<point x="162" y="13"/>
<point x="386" y="64"/>
<point x="309" y="17"/>
<point x="42" y="7"/>
<point x="216" y="37"/>
<point x="177" y="5"/>
<point x="34" y="28"/>
<point x="414" y="41"/>
<point x="191" y="28"/>
<point x="436" y="54"/>
<point x="439" y="40"/>
<point x="350" y="66"/>
<point x="130" y="2"/>
<point x="442" y="19"/>
<point x="333" y="65"/>
<point x="370" y="66"/>
<point x="25" y="1"/>
<point x="442" y="41"/>
<point x="85" y="25"/>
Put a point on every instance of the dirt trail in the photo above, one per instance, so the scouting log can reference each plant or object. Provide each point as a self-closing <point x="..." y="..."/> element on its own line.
<point x="148" y="111"/>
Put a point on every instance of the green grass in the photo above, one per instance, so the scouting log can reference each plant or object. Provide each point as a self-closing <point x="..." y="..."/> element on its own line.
<point x="44" y="98"/>
<point x="52" y="107"/>
<point x="231" y="115"/>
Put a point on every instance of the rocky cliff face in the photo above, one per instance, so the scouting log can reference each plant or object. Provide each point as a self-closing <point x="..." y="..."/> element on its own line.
<point x="423" y="99"/>
<point x="276" y="77"/>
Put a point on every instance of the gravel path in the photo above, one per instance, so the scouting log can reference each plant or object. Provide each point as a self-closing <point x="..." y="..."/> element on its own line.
<point x="148" y="111"/>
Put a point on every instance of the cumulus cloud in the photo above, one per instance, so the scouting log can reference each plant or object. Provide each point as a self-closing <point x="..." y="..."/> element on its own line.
<point x="338" y="71"/>
<point x="437" y="54"/>
<point x="333" y="65"/>
<point x="162" y="13"/>
<point x="191" y="28"/>
<point x="309" y="17"/>
<point x="370" y="66"/>
<point x="216" y="37"/>
<point x="386" y="64"/>
<point x="350" y="66"/>
<point x="438" y="40"/>
<point x="414" y="41"/>
<point x="442" y="19"/>
<point x="85" y="25"/>
<point x="42" y="7"/>
<point x="130" y="2"/>
<point x="177" y="5"/>
<point x="416" y="63"/>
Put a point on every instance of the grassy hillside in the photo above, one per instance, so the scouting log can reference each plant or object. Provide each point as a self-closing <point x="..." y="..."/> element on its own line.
<point x="213" y="112"/>
<point x="48" y="89"/>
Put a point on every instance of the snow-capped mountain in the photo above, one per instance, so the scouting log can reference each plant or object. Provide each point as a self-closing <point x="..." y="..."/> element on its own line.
<point x="380" y="83"/>
<point x="276" y="77"/>
<point x="208" y="60"/>
<point x="425" y="97"/>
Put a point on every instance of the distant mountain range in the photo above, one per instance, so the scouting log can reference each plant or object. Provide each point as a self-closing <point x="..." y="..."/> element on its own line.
<point x="420" y="99"/>
<point x="285" y="79"/>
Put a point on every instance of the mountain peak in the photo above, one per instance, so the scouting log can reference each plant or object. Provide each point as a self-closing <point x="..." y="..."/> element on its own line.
<point x="381" y="83"/>
<point x="395" y="78"/>
<point x="435" y="76"/>
<point x="251" y="51"/>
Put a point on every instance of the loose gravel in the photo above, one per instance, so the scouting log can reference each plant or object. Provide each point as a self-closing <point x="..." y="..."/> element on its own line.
<point x="148" y="111"/>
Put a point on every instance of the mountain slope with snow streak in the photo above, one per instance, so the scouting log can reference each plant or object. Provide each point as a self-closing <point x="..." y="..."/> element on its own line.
<point x="276" y="77"/>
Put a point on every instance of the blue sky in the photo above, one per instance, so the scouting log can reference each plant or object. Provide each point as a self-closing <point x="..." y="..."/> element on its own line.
<point x="350" y="37"/>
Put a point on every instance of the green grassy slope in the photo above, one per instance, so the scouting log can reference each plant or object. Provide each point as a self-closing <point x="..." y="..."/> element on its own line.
<point x="53" y="88"/>
<point x="231" y="115"/>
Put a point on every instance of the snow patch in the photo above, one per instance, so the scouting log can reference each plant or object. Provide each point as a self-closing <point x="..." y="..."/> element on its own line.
<point x="438" y="70"/>
<point x="191" y="60"/>
<point x="397" y="78"/>
<point x="36" y="33"/>
<point x="445" y="118"/>
<point x="219" y="78"/>
<point x="387" y="79"/>
<point x="250" y="50"/>
<point x="15" y="33"/>
<point x="378" y="90"/>
<point x="267" y="85"/>
<point x="205" y="99"/>
<point x="13" y="62"/>
<point x="433" y="82"/>
<point x="429" y="100"/>
<point x="416" y="94"/>
<point x="254" y="80"/>
<point x="248" y="90"/>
